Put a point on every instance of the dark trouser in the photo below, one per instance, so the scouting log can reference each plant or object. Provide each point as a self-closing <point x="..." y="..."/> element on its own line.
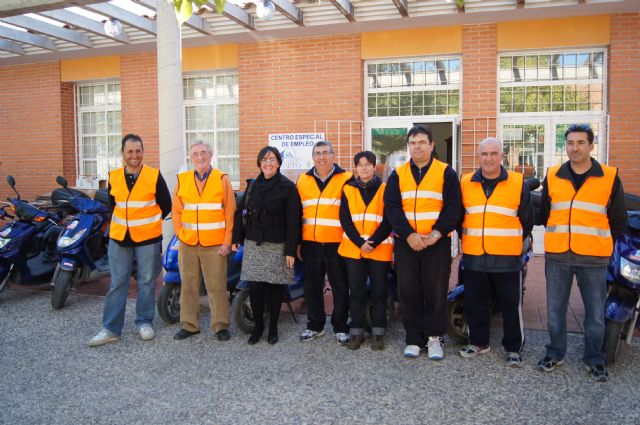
<point x="321" y="258"/>
<point x="261" y="293"/>
<point x="423" y="280"/>
<point x="477" y="290"/>
<point x="358" y="271"/>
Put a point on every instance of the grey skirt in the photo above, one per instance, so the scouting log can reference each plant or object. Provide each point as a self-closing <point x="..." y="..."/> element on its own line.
<point x="265" y="263"/>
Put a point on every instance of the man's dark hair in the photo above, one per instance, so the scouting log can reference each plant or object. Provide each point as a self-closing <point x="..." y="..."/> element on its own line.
<point x="265" y="151"/>
<point x="580" y="128"/>
<point x="370" y="156"/>
<point x="420" y="129"/>
<point x="131" y="138"/>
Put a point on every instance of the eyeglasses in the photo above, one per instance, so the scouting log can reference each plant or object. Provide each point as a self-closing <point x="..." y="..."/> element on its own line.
<point x="579" y="127"/>
<point x="268" y="160"/>
<point x="318" y="154"/>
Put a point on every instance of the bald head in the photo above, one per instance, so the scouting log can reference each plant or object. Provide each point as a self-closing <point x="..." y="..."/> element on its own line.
<point x="490" y="157"/>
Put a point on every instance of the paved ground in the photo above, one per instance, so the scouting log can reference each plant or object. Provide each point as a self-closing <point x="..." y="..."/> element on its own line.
<point x="49" y="376"/>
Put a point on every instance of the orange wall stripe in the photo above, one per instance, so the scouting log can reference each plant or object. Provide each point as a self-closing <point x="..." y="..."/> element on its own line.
<point x="411" y="42"/>
<point x="90" y="68"/>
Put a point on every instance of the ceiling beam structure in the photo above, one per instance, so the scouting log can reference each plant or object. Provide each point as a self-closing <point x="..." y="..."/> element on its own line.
<point x="289" y="10"/>
<point x="195" y="22"/>
<point x="11" y="47"/>
<point x="131" y="19"/>
<point x="402" y="7"/>
<point x="45" y="28"/>
<point x="19" y="7"/>
<point x="27" y="38"/>
<point x="346" y="8"/>
<point x="79" y="21"/>
<point x="236" y="14"/>
<point x="520" y="4"/>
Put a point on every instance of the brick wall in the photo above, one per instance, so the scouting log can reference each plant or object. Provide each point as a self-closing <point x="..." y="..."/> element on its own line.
<point x="31" y="128"/>
<point x="624" y="98"/>
<point x="286" y="85"/>
<point x="479" y="88"/>
<point x="139" y="94"/>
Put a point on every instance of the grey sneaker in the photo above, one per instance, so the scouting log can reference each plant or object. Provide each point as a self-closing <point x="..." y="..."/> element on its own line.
<point x="146" y="332"/>
<point x="514" y="360"/>
<point x="434" y="348"/>
<point x="597" y="372"/>
<point x="103" y="337"/>
<point x="471" y="350"/>
<point x="309" y="335"/>
<point x="548" y="364"/>
<point x="342" y="338"/>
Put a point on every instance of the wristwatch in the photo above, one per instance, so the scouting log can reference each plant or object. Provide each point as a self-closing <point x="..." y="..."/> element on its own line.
<point x="435" y="234"/>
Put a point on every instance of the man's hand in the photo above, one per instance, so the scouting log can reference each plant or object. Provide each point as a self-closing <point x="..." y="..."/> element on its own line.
<point x="416" y="241"/>
<point x="290" y="261"/>
<point x="432" y="238"/>
<point x="225" y="249"/>
<point x="299" y="252"/>
<point x="367" y="247"/>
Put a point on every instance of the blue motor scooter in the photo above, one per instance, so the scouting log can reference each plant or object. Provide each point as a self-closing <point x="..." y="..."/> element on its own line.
<point x="82" y="245"/>
<point x="27" y="243"/>
<point x="623" y="280"/>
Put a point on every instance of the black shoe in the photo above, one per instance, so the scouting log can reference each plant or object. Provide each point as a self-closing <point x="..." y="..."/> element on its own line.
<point x="223" y="335"/>
<point x="255" y="336"/>
<point x="184" y="334"/>
<point x="273" y="337"/>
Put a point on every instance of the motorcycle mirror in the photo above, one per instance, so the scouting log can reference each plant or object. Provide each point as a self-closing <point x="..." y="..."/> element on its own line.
<point x="61" y="181"/>
<point x="12" y="183"/>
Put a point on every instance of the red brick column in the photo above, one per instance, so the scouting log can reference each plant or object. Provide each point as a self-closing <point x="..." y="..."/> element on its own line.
<point x="479" y="88"/>
<point x="30" y="128"/>
<point x="139" y="91"/>
<point x="68" y="132"/>
<point x="624" y="98"/>
<point x="287" y="84"/>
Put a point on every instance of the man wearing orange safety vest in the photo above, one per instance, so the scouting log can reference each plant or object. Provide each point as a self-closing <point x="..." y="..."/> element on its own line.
<point x="140" y="200"/>
<point x="422" y="202"/>
<point x="367" y="249"/>
<point x="497" y="219"/>
<point x="582" y="207"/>
<point x="203" y="210"/>
<point x="320" y="191"/>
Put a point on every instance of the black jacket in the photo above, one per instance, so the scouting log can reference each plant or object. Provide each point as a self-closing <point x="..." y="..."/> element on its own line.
<point x="500" y="263"/>
<point x="616" y="212"/>
<point x="273" y="213"/>
<point x="381" y="233"/>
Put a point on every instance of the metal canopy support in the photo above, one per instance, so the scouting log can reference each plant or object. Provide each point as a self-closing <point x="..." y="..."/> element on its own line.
<point x="25" y="37"/>
<point x="195" y="22"/>
<point x="19" y="7"/>
<point x="49" y="29"/>
<point x="79" y="21"/>
<point x="403" y="7"/>
<point x="346" y="8"/>
<point x="11" y="46"/>
<point x="289" y="10"/>
<point x="236" y="14"/>
<point x="520" y="4"/>
<point x="143" y="24"/>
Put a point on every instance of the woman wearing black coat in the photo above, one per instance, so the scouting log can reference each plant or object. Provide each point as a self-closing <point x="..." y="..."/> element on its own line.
<point x="267" y="223"/>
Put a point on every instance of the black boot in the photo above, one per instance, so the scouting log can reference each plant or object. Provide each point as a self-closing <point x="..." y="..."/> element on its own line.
<point x="256" y="299"/>
<point x="275" y="303"/>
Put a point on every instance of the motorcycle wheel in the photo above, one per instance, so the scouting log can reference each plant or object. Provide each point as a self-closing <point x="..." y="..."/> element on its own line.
<point x="61" y="286"/>
<point x="612" y="339"/>
<point x="241" y="311"/>
<point x="456" y="323"/>
<point x="169" y="303"/>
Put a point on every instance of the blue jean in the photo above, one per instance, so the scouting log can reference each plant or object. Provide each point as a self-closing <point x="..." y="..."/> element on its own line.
<point x="121" y="266"/>
<point x="593" y="289"/>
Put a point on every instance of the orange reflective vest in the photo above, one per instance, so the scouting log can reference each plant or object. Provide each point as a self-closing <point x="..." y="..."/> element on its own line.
<point x="367" y="219"/>
<point x="321" y="210"/>
<point x="203" y="220"/>
<point x="492" y="226"/>
<point x="578" y="220"/>
<point x="135" y="211"/>
<point x="422" y="203"/>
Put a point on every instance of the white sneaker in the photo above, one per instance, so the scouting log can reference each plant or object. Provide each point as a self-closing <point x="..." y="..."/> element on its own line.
<point x="411" y="351"/>
<point x="146" y="332"/>
<point x="103" y="337"/>
<point x="434" y="348"/>
<point x="342" y="338"/>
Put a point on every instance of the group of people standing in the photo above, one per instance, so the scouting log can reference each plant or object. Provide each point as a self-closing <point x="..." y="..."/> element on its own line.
<point x="350" y="227"/>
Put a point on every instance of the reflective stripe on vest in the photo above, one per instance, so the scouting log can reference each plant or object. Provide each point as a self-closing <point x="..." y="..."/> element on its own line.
<point x="492" y="226"/>
<point x="366" y="219"/>
<point x="137" y="211"/>
<point x="422" y="203"/>
<point x="203" y="219"/>
<point x="578" y="220"/>
<point x="321" y="210"/>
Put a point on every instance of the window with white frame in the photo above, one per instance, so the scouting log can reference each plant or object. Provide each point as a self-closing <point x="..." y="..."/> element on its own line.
<point x="429" y="86"/>
<point x="211" y="115"/>
<point x="99" y="128"/>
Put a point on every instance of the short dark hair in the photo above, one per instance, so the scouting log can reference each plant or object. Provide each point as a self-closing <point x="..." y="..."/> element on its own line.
<point x="370" y="156"/>
<point x="322" y="143"/>
<point x="265" y="151"/>
<point x="580" y="128"/>
<point x="131" y="138"/>
<point x="420" y="129"/>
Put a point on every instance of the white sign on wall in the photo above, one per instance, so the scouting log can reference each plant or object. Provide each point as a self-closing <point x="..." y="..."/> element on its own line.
<point x="296" y="149"/>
